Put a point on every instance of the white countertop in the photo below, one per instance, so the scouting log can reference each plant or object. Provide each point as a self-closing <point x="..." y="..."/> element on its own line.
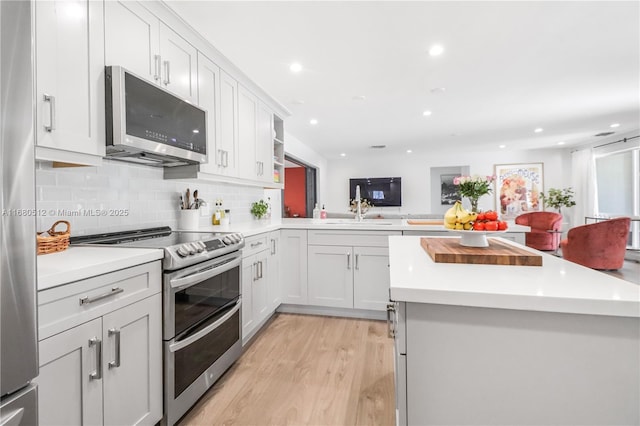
<point x="557" y="286"/>
<point x="260" y="226"/>
<point x="77" y="263"/>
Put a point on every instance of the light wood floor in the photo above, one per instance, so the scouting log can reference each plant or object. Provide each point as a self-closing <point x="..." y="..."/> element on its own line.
<point x="306" y="370"/>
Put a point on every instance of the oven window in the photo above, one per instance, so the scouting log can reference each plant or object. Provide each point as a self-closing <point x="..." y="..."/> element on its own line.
<point x="192" y="360"/>
<point x="200" y="301"/>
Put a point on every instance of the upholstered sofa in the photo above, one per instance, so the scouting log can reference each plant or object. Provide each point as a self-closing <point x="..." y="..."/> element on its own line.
<point x="541" y="223"/>
<point x="600" y="245"/>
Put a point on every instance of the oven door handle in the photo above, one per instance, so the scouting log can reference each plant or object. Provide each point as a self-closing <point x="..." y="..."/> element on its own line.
<point x="200" y="334"/>
<point x="205" y="274"/>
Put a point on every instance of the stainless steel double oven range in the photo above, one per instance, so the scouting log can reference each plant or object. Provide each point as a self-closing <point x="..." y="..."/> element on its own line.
<point x="201" y="307"/>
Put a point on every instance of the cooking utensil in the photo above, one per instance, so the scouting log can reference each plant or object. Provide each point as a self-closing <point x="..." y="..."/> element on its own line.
<point x="187" y="203"/>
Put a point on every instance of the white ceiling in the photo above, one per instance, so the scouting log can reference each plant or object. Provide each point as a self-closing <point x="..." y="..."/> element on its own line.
<point x="572" y="68"/>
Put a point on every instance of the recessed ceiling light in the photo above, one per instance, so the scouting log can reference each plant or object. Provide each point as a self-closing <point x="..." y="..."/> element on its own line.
<point x="426" y="113"/>
<point x="295" y="67"/>
<point x="343" y="155"/>
<point x="313" y="121"/>
<point x="438" y="90"/>
<point x="196" y="131"/>
<point x="539" y="130"/>
<point x="436" y="50"/>
<point x="409" y="151"/>
<point x="359" y="98"/>
<point x="502" y="146"/>
<point x="614" y="125"/>
<point x="561" y="143"/>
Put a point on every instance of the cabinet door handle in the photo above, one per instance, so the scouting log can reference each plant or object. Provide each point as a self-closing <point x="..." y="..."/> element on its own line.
<point x="52" y="112"/>
<point x="226" y="158"/>
<point x="219" y="157"/>
<point x="357" y="258"/>
<point x="115" y="363"/>
<point x="157" y="60"/>
<point x="167" y="73"/>
<point x="260" y="268"/>
<point x="273" y="246"/>
<point x="391" y="311"/>
<point x="97" y="374"/>
<point x="254" y="269"/>
<point x="86" y="300"/>
<point x="348" y="260"/>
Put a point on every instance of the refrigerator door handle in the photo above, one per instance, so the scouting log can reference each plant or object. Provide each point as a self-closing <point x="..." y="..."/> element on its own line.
<point x="13" y="418"/>
<point x="97" y="374"/>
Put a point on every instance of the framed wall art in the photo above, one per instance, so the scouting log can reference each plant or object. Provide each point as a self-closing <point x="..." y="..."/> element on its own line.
<point x="443" y="192"/>
<point x="518" y="188"/>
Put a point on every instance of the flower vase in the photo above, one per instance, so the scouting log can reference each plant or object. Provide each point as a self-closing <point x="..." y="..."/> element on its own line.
<point x="474" y="204"/>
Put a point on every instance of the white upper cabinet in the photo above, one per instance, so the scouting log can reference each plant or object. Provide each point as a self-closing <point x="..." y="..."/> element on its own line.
<point x="247" y="133"/>
<point x="218" y="94"/>
<point x="264" y="143"/>
<point x="179" y="61"/>
<point x="69" y="38"/>
<point x="137" y="40"/>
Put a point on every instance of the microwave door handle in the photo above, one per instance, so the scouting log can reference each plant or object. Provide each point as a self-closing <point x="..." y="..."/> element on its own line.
<point x="197" y="336"/>
<point x="206" y="274"/>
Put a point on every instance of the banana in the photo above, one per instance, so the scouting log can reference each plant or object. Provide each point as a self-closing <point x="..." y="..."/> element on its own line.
<point x="450" y="215"/>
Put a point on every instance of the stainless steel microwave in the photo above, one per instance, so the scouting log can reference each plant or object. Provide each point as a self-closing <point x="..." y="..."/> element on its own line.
<point x="148" y="125"/>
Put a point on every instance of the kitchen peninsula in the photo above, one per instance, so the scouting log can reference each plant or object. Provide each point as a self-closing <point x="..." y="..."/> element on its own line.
<point x="491" y="344"/>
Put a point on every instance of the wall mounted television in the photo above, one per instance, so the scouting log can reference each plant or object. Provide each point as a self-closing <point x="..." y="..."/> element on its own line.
<point x="382" y="192"/>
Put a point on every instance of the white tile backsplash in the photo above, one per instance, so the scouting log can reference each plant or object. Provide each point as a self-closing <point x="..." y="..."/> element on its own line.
<point x="118" y="196"/>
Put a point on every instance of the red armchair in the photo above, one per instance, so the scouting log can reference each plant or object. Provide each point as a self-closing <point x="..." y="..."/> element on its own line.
<point x="598" y="245"/>
<point x="540" y="223"/>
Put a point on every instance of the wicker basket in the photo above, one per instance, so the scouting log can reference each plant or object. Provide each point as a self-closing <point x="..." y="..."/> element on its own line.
<point x="56" y="240"/>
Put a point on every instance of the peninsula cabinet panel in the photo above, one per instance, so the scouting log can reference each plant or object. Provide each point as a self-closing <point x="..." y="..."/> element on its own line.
<point x="331" y="276"/>
<point x="69" y="39"/>
<point x="69" y="383"/>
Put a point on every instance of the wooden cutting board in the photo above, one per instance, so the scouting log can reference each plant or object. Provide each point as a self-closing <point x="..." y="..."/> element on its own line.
<point x="449" y="250"/>
<point x="424" y="222"/>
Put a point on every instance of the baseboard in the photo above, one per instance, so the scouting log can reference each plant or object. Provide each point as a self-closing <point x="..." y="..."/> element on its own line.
<point x="333" y="312"/>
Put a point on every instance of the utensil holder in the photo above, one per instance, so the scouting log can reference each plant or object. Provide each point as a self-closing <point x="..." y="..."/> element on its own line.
<point x="188" y="220"/>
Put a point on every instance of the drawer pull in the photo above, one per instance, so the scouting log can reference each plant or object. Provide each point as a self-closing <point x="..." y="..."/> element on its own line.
<point x="113" y="292"/>
<point x="259" y="243"/>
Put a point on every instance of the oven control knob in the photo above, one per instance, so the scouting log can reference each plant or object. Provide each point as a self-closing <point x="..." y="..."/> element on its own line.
<point x="227" y="240"/>
<point x="201" y="246"/>
<point x="191" y="247"/>
<point x="182" y="251"/>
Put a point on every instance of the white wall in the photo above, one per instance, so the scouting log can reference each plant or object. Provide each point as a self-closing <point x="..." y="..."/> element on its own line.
<point x="76" y="193"/>
<point x="415" y="173"/>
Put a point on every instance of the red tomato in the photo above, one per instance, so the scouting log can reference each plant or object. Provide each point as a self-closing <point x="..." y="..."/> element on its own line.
<point x="491" y="226"/>
<point x="502" y="226"/>
<point x="491" y="215"/>
<point x="478" y="226"/>
<point x="480" y="216"/>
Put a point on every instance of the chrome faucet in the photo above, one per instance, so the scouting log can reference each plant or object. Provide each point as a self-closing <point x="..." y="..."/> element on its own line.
<point x="358" y="205"/>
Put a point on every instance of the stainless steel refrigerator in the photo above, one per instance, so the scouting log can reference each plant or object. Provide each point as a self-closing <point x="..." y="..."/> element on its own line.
<point x="18" y="324"/>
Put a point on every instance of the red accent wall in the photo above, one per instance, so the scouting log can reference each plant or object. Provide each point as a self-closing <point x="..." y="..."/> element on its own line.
<point x="295" y="197"/>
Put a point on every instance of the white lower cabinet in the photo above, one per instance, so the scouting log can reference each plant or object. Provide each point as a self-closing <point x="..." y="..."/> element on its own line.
<point x="274" y="282"/>
<point x="343" y="275"/>
<point x="293" y="243"/>
<point x="105" y="365"/>
<point x="255" y="278"/>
